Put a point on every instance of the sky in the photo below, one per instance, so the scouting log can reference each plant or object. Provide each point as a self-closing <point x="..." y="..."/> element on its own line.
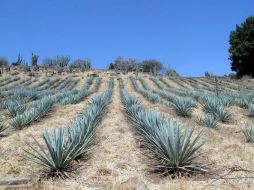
<point x="190" y="36"/>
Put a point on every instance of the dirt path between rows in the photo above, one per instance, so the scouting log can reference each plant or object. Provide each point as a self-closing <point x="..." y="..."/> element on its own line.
<point x="115" y="162"/>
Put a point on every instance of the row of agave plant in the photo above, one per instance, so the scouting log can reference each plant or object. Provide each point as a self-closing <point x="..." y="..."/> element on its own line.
<point x="243" y="99"/>
<point x="153" y="98"/>
<point x="9" y="80"/>
<point x="171" y="149"/>
<point x="65" y="145"/>
<point x="13" y="85"/>
<point x="24" y="106"/>
<point x="23" y="115"/>
<point x="182" y="105"/>
<point x="215" y="107"/>
<point x="78" y="97"/>
<point x="3" y="79"/>
<point x="49" y="84"/>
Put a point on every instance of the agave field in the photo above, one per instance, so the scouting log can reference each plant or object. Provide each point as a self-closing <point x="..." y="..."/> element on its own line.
<point x="126" y="132"/>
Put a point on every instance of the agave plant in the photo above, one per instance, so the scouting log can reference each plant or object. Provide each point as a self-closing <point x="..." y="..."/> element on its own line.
<point x="38" y="110"/>
<point x="41" y="108"/>
<point x="76" y="98"/>
<point x="153" y="98"/>
<point x="58" y="154"/>
<point x="20" y="121"/>
<point x="209" y="120"/>
<point x="210" y="104"/>
<point x="134" y="84"/>
<point x="156" y="82"/>
<point x="3" y="127"/>
<point x="66" y="144"/>
<point x="14" y="108"/>
<point x="241" y="102"/>
<point x="176" y="151"/>
<point x="183" y="106"/>
<point x="251" y="110"/>
<point x="222" y="114"/>
<point x="249" y="134"/>
<point x="121" y="84"/>
<point x="226" y="101"/>
<point x="170" y="147"/>
<point x="144" y="84"/>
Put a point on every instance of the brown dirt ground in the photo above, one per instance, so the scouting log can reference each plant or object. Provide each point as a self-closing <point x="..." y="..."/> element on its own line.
<point x="116" y="161"/>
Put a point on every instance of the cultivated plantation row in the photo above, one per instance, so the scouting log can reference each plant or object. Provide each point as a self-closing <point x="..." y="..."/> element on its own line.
<point x="126" y="132"/>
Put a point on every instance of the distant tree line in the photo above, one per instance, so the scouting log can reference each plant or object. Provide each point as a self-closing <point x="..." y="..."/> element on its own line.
<point x="126" y="65"/>
<point x="151" y="66"/>
<point x="59" y="63"/>
<point x="63" y="63"/>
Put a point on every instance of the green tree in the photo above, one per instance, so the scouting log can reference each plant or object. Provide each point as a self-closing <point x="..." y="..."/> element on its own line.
<point x="152" y="66"/>
<point x="242" y="48"/>
<point x="111" y="66"/>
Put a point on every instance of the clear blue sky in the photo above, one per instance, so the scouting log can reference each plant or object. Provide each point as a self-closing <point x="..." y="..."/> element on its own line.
<point x="189" y="35"/>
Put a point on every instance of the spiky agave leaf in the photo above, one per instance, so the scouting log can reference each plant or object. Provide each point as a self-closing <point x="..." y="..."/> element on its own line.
<point x="251" y="110"/>
<point x="38" y="110"/>
<point x="121" y="83"/>
<point x="14" y="108"/>
<point x="3" y="127"/>
<point x="82" y="132"/>
<point x="226" y="100"/>
<point x="58" y="153"/>
<point x="222" y="114"/>
<point x="20" y="121"/>
<point x="152" y="97"/>
<point x="175" y="150"/>
<point x="209" y="120"/>
<point x="170" y="148"/>
<point x="249" y="134"/>
<point x="183" y="106"/>
<point x="241" y="102"/>
<point x="65" y="145"/>
<point x="41" y="108"/>
<point x="210" y="104"/>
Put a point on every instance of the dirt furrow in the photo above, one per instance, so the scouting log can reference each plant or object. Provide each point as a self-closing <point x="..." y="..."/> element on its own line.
<point x="115" y="162"/>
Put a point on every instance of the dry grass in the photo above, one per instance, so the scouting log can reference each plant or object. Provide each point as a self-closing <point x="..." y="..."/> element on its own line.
<point x="116" y="161"/>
